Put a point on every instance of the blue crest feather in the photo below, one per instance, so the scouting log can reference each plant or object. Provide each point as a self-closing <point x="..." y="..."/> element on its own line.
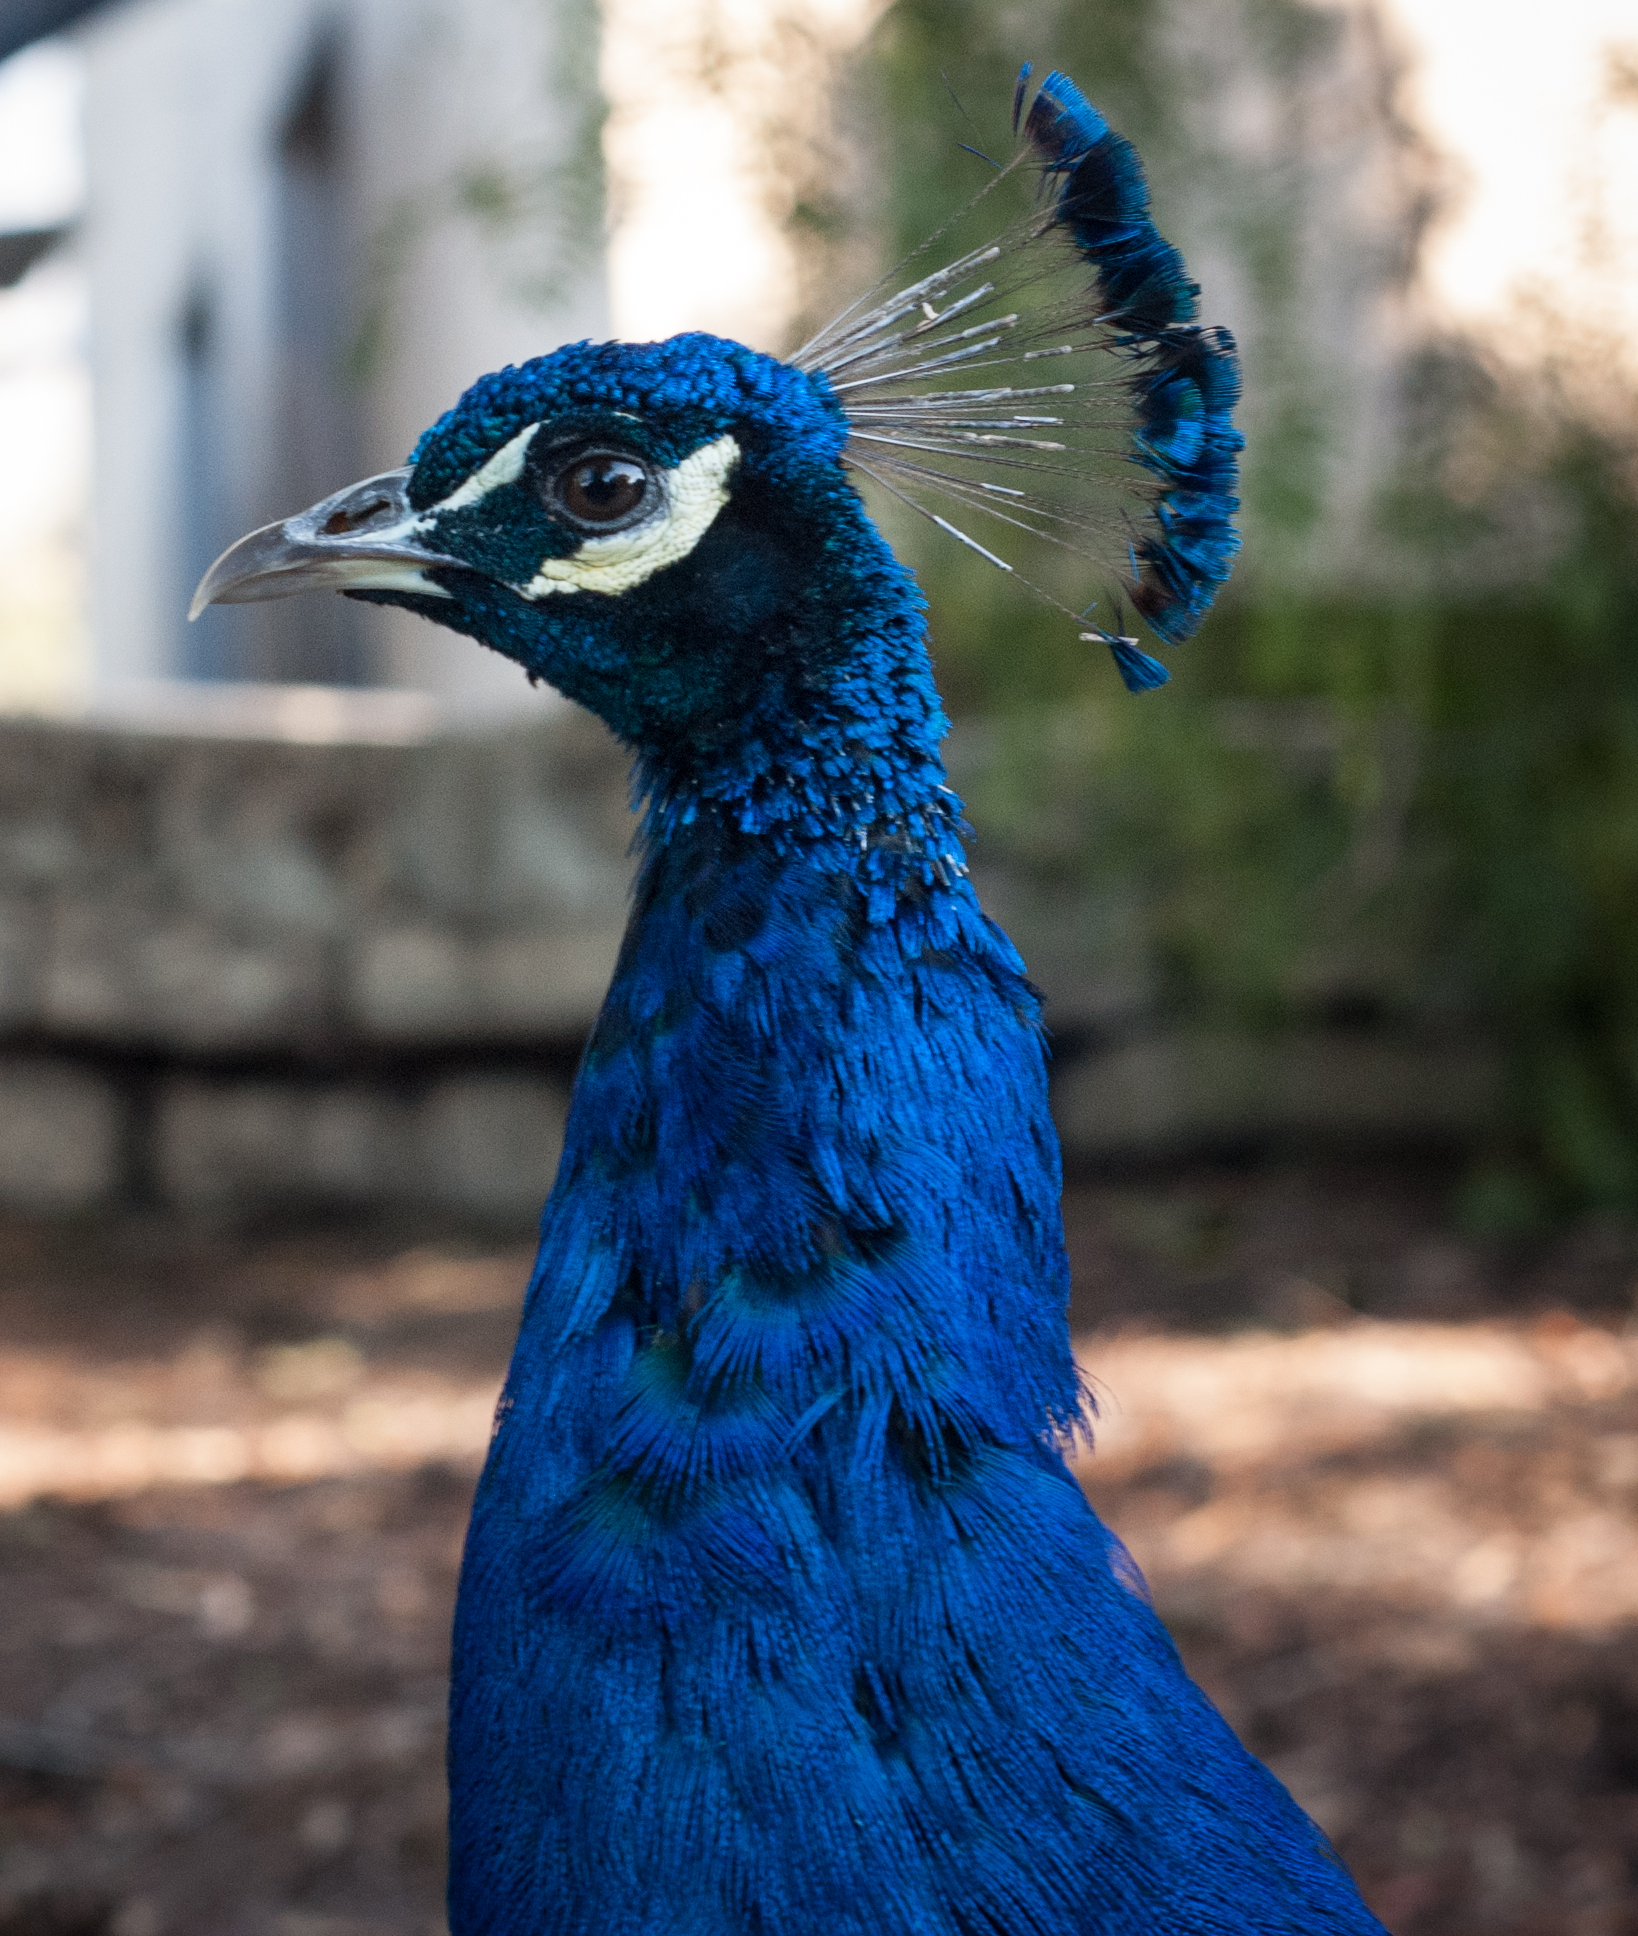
<point x="1129" y="459"/>
<point x="1102" y="198"/>
<point x="1139" y="673"/>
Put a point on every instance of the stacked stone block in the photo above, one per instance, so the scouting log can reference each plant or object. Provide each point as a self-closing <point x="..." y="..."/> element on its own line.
<point x="249" y="968"/>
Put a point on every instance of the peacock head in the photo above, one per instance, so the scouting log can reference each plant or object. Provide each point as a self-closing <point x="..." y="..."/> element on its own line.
<point x="648" y="527"/>
<point x="668" y="533"/>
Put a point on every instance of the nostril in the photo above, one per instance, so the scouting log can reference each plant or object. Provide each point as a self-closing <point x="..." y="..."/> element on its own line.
<point x="340" y="523"/>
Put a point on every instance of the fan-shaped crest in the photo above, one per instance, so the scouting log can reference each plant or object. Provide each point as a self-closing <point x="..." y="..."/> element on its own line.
<point x="1012" y="391"/>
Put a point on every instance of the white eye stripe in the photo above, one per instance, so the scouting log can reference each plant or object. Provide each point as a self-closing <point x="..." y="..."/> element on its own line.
<point x="693" y="495"/>
<point x="505" y="467"/>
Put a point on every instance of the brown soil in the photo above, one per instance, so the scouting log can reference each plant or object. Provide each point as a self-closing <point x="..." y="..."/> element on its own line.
<point x="1384" y="1486"/>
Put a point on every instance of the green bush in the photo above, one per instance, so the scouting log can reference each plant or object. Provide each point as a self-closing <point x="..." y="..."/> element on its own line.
<point x="1406" y="795"/>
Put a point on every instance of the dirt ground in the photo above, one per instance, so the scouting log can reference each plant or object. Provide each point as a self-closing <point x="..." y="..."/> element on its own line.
<point x="1384" y="1485"/>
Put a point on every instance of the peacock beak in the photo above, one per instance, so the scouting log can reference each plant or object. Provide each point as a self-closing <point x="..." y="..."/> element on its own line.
<point x="368" y="537"/>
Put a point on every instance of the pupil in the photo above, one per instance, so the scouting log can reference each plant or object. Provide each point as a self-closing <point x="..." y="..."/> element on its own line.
<point x="601" y="489"/>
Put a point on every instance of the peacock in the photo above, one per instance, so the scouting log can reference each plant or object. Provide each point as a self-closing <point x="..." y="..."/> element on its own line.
<point x="781" y="1612"/>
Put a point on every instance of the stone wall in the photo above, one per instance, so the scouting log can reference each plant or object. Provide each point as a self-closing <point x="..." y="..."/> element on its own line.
<point x="240" y="967"/>
<point x="274" y="953"/>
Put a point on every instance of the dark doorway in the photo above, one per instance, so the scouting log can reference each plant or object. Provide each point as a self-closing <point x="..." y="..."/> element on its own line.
<point x="214" y="647"/>
<point x="318" y="639"/>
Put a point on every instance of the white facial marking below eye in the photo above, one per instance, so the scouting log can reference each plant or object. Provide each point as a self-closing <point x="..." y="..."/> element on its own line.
<point x="693" y="495"/>
<point x="505" y="467"/>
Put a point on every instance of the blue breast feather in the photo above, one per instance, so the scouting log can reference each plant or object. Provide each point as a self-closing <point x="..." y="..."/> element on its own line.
<point x="781" y="1611"/>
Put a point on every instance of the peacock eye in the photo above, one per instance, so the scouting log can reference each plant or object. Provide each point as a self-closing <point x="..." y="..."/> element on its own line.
<point x="601" y="489"/>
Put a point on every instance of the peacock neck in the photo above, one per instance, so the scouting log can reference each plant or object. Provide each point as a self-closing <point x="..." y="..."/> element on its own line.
<point x="814" y="1041"/>
<point x="795" y="1061"/>
<point x="827" y="751"/>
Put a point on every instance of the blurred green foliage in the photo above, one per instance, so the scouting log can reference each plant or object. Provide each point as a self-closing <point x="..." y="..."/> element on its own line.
<point x="1402" y="797"/>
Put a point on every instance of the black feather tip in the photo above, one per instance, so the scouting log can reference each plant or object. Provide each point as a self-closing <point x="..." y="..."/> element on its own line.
<point x="1018" y="93"/>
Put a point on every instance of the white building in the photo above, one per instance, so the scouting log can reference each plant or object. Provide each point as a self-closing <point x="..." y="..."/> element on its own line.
<point x="308" y="224"/>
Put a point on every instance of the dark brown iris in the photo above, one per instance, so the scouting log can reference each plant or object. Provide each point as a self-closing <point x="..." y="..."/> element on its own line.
<point x="602" y="489"/>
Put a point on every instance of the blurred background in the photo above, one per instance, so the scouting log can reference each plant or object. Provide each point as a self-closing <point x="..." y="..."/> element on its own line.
<point x="305" y="910"/>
